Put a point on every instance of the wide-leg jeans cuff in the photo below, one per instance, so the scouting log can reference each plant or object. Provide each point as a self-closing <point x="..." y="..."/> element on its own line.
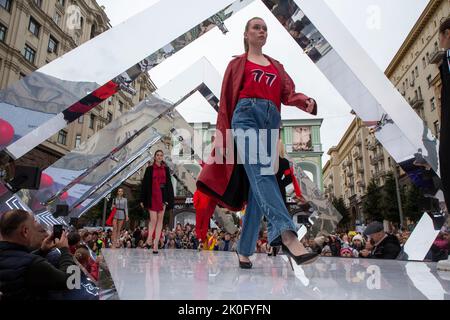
<point x="275" y="240"/>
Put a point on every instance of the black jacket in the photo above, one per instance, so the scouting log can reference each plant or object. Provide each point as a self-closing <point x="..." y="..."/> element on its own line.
<point x="146" y="191"/>
<point x="445" y="102"/>
<point x="444" y="137"/>
<point x="28" y="276"/>
<point x="389" y="248"/>
<point x="283" y="182"/>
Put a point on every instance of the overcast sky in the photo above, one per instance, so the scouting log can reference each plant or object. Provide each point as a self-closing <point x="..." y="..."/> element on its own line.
<point x="380" y="26"/>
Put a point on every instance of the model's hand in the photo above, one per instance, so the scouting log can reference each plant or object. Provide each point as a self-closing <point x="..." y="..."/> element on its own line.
<point x="142" y="205"/>
<point x="310" y="105"/>
<point x="127" y="219"/>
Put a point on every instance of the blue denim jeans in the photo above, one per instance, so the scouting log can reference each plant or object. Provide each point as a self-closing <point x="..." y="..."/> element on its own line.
<point x="264" y="198"/>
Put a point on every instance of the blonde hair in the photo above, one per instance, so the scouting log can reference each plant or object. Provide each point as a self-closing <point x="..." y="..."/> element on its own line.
<point x="281" y="148"/>
<point x="247" y="26"/>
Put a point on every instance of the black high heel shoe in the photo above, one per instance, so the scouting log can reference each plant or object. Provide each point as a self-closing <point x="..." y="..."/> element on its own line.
<point x="244" y="265"/>
<point x="301" y="259"/>
<point x="275" y="251"/>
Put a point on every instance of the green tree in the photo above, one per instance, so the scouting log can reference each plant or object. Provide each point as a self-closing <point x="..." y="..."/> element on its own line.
<point x="414" y="196"/>
<point x="93" y="216"/>
<point x="390" y="203"/>
<point x="340" y="206"/>
<point x="372" y="204"/>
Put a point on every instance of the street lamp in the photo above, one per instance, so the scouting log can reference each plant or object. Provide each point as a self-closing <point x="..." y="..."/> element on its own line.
<point x="399" y="199"/>
<point x="105" y="204"/>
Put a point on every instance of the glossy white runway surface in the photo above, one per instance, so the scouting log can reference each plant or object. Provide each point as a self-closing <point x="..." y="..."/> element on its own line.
<point x="213" y="275"/>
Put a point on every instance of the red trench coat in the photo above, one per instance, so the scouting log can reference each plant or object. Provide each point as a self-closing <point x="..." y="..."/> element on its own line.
<point x="228" y="183"/>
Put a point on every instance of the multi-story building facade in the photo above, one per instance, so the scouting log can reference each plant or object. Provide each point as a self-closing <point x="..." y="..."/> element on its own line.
<point x="354" y="162"/>
<point x="359" y="157"/>
<point x="35" y="32"/>
<point x="414" y="70"/>
<point x="303" y="146"/>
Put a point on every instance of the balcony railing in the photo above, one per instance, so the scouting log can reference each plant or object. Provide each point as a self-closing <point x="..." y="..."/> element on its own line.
<point x="379" y="157"/>
<point x="436" y="56"/>
<point x="379" y="174"/>
<point x="417" y="103"/>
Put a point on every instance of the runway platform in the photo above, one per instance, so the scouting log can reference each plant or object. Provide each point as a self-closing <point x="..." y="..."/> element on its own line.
<point x="213" y="275"/>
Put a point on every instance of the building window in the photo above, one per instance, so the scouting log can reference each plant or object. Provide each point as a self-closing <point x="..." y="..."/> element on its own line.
<point x="57" y="18"/>
<point x="110" y="117"/>
<point x="429" y="81"/>
<point x="61" y="2"/>
<point x="81" y="119"/>
<point x="29" y="53"/>
<point x="77" y="140"/>
<point x="92" y="121"/>
<point x="428" y="57"/>
<point x="424" y="63"/>
<point x="62" y="137"/>
<point x="432" y="104"/>
<point x="34" y="27"/>
<point x="417" y="71"/>
<point x="2" y="33"/>
<point x="52" y="45"/>
<point x="120" y="106"/>
<point x="436" y="128"/>
<point x="93" y="31"/>
<point x="6" y="4"/>
<point x="38" y="3"/>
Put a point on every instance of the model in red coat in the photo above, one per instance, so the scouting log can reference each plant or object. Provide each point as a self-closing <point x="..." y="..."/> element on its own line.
<point x="254" y="86"/>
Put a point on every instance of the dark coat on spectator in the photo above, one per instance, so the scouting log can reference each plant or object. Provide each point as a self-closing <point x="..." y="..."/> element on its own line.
<point x="389" y="248"/>
<point x="28" y="276"/>
<point x="444" y="137"/>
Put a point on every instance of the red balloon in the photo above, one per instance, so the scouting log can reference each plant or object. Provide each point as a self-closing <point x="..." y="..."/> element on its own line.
<point x="64" y="196"/>
<point x="46" y="181"/>
<point x="6" y="132"/>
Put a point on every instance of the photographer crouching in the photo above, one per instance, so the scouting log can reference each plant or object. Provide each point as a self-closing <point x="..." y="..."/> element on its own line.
<point x="26" y="274"/>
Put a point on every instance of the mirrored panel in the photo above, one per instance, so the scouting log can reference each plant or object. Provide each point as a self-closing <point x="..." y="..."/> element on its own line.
<point x="372" y="97"/>
<point x="61" y="91"/>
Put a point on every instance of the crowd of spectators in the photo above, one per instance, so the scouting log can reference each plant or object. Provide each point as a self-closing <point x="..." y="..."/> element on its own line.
<point x="22" y="269"/>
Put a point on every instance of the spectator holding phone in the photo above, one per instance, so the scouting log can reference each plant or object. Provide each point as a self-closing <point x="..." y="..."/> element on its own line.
<point x="26" y="275"/>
